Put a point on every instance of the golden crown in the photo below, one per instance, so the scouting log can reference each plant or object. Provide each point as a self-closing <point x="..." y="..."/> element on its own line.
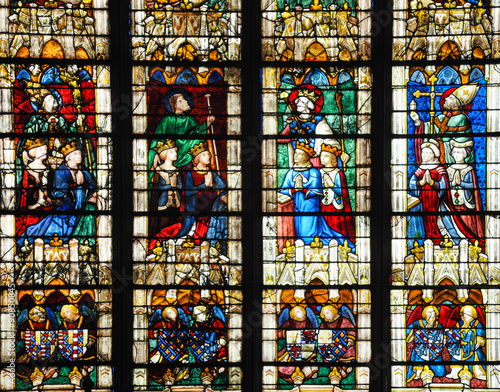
<point x="161" y="146"/>
<point x="70" y="147"/>
<point x="306" y="147"/>
<point x="198" y="149"/>
<point x="32" y="143"/>
<point x="312" y="95"/>
<point x="331" y="148"/>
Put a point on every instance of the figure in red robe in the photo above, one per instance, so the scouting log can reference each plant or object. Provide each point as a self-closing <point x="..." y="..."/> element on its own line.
<point x="336" y="195"/>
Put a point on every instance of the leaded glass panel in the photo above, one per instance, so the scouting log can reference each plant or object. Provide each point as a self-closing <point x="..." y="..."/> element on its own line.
<point x="318" y="30"/>
<point x="199" y="30"/>
<point x="445" y="231"/>
<point x="187" y="228"/>
<point x="445" y="30"/>
<point x="54" y="29"/>
<point x="316" y="176"/>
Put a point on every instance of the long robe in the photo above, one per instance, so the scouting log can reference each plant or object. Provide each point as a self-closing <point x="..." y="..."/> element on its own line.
<point x="74" y="198"/>
<point x="337" y="200"/>
<point x="430" y="197"/>
<point x="160" y="193"/>
<point x="467" y="197"/>
<point x="425" y="336"/>
<point x="197" y="204"/>
<point x="306" y="200"/>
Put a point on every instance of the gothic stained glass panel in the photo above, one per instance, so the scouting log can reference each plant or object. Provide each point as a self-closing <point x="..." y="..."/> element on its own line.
<point x="187" y="337"/>
<point x="59" y="186"/>
<point x="445" y="30"/>
<point x="57" y="29"/>
<point x="186" y="30"/>
<point x="187" y="227"/>
<point x="316" y="30"/>
<point x="316" y="173"/>
<point x="54" y="337"/>
<point x="444" y="181"/>
<point x="317" y="333"/>
<point x="56" y="161"/>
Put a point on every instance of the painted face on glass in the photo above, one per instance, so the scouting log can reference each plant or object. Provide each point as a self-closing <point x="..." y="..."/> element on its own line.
<point x="427" y="155"/>
<point x="200" y="314"/>
<point x="467" y="315"/>
<point x="430" y="315"/>
<point x="170" y="314"/>
<point x="299" y="313"/>
<point x="181" y="104"/>
<point x="304" y="106"/>
<point x="50" y="104"/>
<point x="330" y="314"/>
<point x="169" y="155"/>
<point x="205" y="158"/>
<point x="451" y="103"/>
<point x="327" y="159"/>
<point x="74" y="158"/>
<point x="38" y="153"/>
<point x="459" y="154"/>
<point x="300" y="157"/>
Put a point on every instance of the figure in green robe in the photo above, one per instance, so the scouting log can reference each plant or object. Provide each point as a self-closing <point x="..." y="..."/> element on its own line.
<point x="178" y="122"/>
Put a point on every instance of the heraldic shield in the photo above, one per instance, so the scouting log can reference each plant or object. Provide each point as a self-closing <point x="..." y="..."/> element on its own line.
<point x="40" y="345"/>
<point x="332" y="344"/>
<point x="73" y="343"/>
<point x="454" y="343"/>
<point x="172" y="345"/>
<point x="301" y="344"/>
<point x="204" y="345"/>
<point x="429" y="343"/>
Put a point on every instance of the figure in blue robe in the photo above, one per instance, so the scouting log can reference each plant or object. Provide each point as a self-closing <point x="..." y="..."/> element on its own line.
<point x="427" y="334"/>
<point x="72" y="197"/>
<point x="303" y="184"/>
<point x="467" y="340"/>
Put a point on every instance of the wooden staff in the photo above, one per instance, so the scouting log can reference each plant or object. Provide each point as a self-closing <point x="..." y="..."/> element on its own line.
<point x="338" y="99"/>
<point x="212" y="146"/>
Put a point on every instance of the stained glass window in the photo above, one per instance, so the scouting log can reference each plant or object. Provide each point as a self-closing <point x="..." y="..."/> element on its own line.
<point x="56" y="156"/>
<point x="187" y="234"/>
<point x="445" y="30"/>
<point x="444" y="302"/>
<point x="54" y="29"/>
<point x="318" y="30"/>
<point x="205" y="30"/>
<point x="315" y="196"/>
<point x="302" y="203"/>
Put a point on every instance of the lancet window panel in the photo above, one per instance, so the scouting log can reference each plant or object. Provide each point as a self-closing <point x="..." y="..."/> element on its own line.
<point x="187" y="228"/>
<point x="444" y="174"/>
<point x="201" y="30"/>
<point x="187" y="337"/>
<point x="316" y="173"/>
<point x="187" y="177"/>
<point x="56" y="338"/>
<point x="316" y="195"/>
<point x="445" y="236"/>
<point x="316" y="336"/>
<point x="319" y="30"/>
<point x="447" y="30"/>
<point x="55" y="29"/>
<point x="59" y="186"/>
